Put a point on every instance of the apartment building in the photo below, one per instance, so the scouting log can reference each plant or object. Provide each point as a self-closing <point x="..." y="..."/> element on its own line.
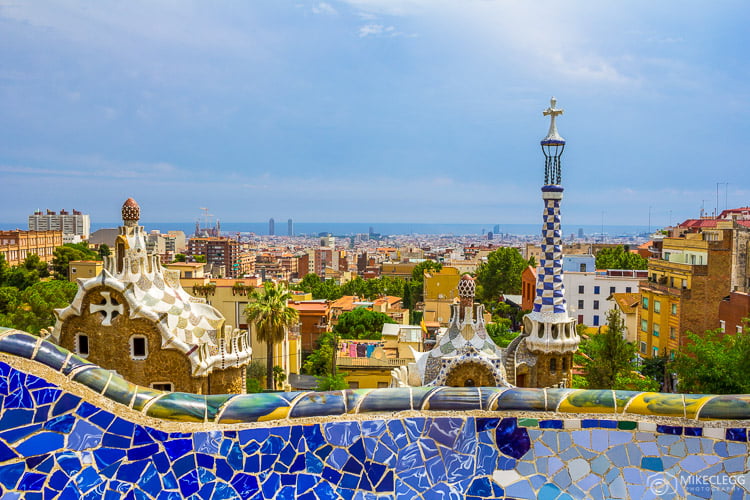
<point x="684" y="287"/>
<point x="16" y="245"/>
<point x="219" y="251"/>
<point x="71" y="224"/>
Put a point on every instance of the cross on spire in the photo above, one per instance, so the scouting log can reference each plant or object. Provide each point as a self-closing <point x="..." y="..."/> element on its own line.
<point x="552" y="112"/>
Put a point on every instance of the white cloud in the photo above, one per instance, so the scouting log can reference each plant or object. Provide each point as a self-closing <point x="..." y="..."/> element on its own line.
<point x="564" y="44"/>
<point x="324" y="8"/>
<point x="370" y="30"/>
<point x="373" y="29"/>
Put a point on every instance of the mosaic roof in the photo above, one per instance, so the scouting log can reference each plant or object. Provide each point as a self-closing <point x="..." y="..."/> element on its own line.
<point x="152" y="292"/>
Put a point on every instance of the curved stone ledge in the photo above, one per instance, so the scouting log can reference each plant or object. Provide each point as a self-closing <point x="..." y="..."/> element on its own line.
<point x="247" y="408"/>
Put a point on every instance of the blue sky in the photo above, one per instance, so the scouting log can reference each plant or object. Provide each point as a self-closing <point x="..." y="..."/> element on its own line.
<point x="372" y="110"/>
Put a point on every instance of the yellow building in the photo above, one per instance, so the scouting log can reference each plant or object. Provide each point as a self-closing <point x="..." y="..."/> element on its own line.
<point x="397" y="269"/>
<point x="683" y="290"/>
<point x="84" y="269"/>
<point x="440" y="291"/>
<point x="230" y="297"/>
<point x="16" y="245"/>
<point x="187" y="269"/>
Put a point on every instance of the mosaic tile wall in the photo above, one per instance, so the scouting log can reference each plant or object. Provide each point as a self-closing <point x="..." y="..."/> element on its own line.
<point x="67" y="442"/>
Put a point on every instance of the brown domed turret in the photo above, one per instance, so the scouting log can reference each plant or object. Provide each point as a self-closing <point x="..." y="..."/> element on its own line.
<point x="466" y="289"/>
<point x="131" y="212"/>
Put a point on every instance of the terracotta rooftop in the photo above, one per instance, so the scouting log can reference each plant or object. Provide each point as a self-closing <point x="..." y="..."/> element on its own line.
<point x="392" y="300"/>
<point x="628" y="302"/>
<point x="319" y="307"/>
<point x="698" y="223"/>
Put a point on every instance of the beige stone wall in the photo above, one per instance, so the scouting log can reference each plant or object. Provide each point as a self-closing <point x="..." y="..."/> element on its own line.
<point x="229" y="381"/>
<point x="542" y="376"/>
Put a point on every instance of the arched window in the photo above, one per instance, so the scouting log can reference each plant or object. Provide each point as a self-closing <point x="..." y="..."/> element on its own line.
<point x="138" y="347"/>
<point x="553" y="365"/>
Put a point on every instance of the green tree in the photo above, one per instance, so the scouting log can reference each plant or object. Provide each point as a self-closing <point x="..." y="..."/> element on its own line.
<point x="656" y="369"/>
<point x="328" y="289"/>
<point x="714" y="363"/>
<point x="4" y="269"/>
<point x="104" y="251"/>
<point x="256" y="372"/>
<point x="320" y="361"/>
<point x="500" y="332"/>
<point x="68" y="252"/>
<point x="619" y="258"/>
<point x="180" y="257"/>
<point x="357" y="286"/>
<point x="269" y="312"/>
<point x="32" y="262"/>
<point x="417" y="274"/>
<point x="308" y="283"/>
<point x="362" y="324"/>
<point x="22" y="278"/>
<point x="610" y="358"/>
<point x="200" y="258"/>
<point x="332" y="382"/>
<point x="279" y="376"/>
<point x="34" y="307"/>
<point x="9" y="297"/>
<point x="501" y="274"/>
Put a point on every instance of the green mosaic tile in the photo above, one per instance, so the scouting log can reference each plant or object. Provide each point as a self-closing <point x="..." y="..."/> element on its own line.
<point x="627" y="425"/>
<point x="528" y="422"/>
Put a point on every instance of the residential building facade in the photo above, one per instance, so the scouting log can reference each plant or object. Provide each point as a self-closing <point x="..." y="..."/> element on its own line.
<point x="684" y="288"/>
<point x="71" y="224"/>
<point x="16" y="245"/>
<point x="219" y="251"/>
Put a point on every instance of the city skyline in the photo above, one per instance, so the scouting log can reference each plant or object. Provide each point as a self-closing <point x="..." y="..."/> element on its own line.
<point x="373" y="111"/>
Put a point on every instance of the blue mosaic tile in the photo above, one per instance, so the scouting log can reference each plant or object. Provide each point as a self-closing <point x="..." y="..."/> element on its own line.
<point x="669" y="429"/>
<point x="511" y="439"/>
<point x="599" y="423"/>
<point x="734" y="434"/>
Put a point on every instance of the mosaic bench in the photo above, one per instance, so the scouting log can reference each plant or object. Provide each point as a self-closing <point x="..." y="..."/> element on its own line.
<point x="71" y="429"/>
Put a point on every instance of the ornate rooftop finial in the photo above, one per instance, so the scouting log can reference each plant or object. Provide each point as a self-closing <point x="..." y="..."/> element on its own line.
<point x="131" y="212"/>
<point x="552" y="112"/>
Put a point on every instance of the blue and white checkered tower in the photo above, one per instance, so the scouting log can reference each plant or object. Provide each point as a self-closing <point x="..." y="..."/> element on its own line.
<point x="549" y="327"/>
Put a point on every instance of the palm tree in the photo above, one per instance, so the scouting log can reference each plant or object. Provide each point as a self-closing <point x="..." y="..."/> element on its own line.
<point x="269" y="312"/>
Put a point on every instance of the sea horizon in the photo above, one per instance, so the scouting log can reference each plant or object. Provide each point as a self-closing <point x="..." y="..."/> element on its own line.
<point x="381" y="228"/>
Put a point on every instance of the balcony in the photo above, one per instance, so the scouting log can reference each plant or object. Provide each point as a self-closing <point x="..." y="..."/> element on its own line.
<point x="665" y="289"/>
<point x="372" y="362"/>
<point x="663" y="266"/>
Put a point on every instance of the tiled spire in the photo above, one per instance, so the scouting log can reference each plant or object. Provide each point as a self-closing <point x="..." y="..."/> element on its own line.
<point x="552" y="328"/>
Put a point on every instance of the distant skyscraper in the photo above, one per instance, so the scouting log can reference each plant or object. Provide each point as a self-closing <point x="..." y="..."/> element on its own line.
<point x="489" y="235"/>
<point x="290" y="227"/>
<point x="580" y="232"/>
<point x="271" y="227"/>
<point x="496" y="229"/>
